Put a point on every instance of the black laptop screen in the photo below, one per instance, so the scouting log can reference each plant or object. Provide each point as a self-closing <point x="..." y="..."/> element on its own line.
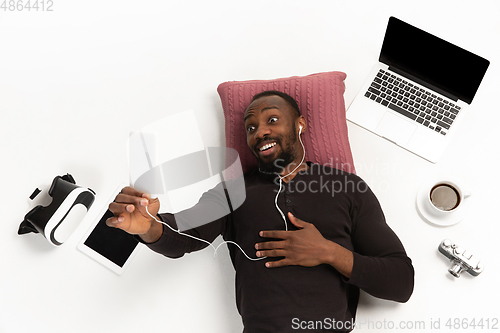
<point x="432" y="61"/>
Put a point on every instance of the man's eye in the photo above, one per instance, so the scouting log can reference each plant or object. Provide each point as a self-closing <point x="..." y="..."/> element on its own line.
<point x="250" y="128"/>
<point x="273" y="119"/>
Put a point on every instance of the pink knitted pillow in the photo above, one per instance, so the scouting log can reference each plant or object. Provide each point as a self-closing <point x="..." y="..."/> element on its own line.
<point x="321" y="102"/>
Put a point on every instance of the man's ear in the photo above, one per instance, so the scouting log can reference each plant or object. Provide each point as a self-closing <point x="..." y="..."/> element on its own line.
<point x="302" y="124"/>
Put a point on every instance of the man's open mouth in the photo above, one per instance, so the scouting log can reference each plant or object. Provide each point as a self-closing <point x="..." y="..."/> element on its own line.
<point x="267" y="146"/>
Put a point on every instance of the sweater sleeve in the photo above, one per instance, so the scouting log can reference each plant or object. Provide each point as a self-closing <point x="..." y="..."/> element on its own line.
<point x="381" y="266"/>
<point x="205" y="220"/>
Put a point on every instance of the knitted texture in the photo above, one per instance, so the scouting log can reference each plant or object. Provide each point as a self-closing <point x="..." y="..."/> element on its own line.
<point x="321" y="101"/>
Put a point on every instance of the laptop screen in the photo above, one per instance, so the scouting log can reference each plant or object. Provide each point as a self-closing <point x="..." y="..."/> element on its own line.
<point x="432" y="61"/>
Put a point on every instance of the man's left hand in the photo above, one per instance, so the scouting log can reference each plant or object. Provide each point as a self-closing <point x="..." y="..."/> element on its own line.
<point x="303" y="247"/>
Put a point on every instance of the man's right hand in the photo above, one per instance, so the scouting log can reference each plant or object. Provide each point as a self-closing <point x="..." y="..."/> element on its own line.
<point x="131" y="216"/>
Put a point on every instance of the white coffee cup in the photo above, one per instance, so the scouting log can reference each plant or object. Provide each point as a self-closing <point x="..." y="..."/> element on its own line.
<point x="446" y="197"/>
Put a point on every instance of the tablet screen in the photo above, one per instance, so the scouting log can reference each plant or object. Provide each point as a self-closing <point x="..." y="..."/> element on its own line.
<point x="114" y="244"/>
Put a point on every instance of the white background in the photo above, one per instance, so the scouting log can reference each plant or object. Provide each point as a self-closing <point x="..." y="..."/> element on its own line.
<point x="75" y="81"/>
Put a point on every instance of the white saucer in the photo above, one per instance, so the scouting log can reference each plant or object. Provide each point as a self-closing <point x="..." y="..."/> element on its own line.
<point x="445" y="220"/>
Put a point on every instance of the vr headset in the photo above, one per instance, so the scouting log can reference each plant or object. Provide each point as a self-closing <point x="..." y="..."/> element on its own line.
<point x="57" y="221"/>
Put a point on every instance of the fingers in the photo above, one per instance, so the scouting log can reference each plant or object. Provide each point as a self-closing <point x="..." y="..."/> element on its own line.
<point x="131" y="199"/>
<point x="275" y="253"/>
<point x="274" y="249"/>
<point x="281" y="234"/>
<point x="114" y="221"/>
<point x="133" y="192"/>
<point x="272" y="253"/>
<point x="269" y="245"/>
<point x="121" y="208"/>
<point x="296" y="221"/>
<point x="278" y="263"/>
<point x="126" y="203"/>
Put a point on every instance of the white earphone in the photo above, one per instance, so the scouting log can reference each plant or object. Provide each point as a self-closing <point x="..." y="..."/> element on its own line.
<point x="300" y="129"/>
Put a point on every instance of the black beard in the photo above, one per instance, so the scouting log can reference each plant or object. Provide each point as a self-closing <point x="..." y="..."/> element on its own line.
<point x="286" y="156"/>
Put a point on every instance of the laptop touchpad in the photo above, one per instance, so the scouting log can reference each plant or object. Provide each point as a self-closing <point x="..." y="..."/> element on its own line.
<point x="396" y="129"/>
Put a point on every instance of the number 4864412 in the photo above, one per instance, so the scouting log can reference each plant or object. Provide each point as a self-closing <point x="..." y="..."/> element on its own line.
<point x="27" y="5"/>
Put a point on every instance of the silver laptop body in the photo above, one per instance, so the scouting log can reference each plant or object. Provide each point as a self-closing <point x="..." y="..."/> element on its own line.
<point x="419" y="92"/>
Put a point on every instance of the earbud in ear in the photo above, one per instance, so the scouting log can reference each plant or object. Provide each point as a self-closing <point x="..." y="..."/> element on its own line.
<point x="300" y="129"/>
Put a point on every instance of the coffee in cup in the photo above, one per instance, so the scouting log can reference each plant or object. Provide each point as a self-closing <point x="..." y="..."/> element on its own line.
<point x="445" y="197"/>
<point x="443" y="201"/>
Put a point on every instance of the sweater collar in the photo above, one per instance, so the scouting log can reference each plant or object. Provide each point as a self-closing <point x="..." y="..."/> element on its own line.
<point x="273" y="177"/>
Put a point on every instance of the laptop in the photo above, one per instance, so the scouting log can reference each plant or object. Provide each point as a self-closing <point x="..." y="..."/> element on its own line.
<point x="419" y="92"/>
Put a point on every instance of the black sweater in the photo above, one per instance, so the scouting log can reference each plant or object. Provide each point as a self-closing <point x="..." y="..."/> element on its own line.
<point x="342" y="208"/>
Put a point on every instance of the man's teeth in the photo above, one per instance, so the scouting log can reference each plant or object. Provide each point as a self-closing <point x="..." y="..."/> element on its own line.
<point x="266" y="147"/>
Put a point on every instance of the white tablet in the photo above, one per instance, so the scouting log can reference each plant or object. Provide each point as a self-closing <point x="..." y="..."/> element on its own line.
<point x="113" y="248"/>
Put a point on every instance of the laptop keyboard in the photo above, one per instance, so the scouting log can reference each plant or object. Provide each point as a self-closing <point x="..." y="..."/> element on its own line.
<point x="412" y="101"/>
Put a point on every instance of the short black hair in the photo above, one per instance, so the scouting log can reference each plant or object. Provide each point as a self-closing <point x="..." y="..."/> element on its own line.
<point x="283" y="95"/>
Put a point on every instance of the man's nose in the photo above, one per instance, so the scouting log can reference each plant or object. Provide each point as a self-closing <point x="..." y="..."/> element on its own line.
<point x="262" y="131"/>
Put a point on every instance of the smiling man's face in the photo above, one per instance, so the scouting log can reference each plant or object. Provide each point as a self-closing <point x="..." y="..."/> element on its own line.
<point x="271" y="128"/>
